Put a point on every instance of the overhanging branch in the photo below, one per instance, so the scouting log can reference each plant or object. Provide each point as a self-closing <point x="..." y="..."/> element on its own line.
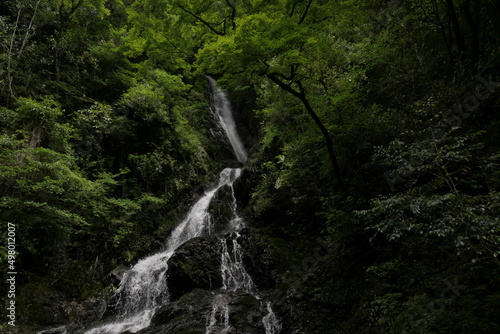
<point x="300" y="93"/>
<point x="199" y="18"/>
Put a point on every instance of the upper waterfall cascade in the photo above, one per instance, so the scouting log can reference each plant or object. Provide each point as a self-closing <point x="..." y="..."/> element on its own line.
<point x="143" y="289"/>
<point x="222" y="107"/>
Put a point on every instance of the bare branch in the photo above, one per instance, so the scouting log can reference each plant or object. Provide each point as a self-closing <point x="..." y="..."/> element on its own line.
<point x="294" y="6"/>
<point x="302" y="96"/>
<point x="305" y="12"/>
<point x="9" y="55"/>
<point x="26" y="36"/>
<point x="233" y="14"/>
<point x="208" y="25"/>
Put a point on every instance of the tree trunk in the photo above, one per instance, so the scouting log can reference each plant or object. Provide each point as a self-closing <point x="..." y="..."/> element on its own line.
<point x="459" y="38"/>
<point x="301" y="95"/>
<point x="474" y="28"/>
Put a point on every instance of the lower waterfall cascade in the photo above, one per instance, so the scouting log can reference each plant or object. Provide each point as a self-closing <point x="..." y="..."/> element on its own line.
<point x="143" y="288"/>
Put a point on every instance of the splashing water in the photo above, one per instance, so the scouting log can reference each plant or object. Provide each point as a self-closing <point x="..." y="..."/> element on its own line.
<point x="234" y="278"/>
<point x="271" y="321"/>
<point x="234" y="275"/>
<point x="218" y="322"/>
<point x="143" y="288"/>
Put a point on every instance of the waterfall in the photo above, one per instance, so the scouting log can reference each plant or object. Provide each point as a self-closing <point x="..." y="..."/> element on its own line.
<point x="236" y="278"/>
<point x="271" y="322"/>
<point x="144" y="289"/>
<point x="222" y="108"/>
<point x="234" y="275"/>
<point x="220" y="307"/>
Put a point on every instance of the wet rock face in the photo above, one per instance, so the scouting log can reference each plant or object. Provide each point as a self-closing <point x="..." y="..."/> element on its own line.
<point x="246" y="314"/>
<point x="248" y="124"/>
<point x="186" y="315"/>
<point x="220" y="209"/>
<point x="258" y="260"/>
<point x="243" y="187"/>
<point x="192" y="313"/>
<point x="58" y="330"/>
<point x="220" y="136"/>
<point x="196" y="264"/>
<point x="195" y="286"/>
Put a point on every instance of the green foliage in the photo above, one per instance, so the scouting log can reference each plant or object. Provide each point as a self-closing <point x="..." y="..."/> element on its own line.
<point x="445" y="194"/>
<point x="96" y="172"/>
<point x="35" y="188"/>
<point x="39" y="122"/>
<point x="104" y="137"/>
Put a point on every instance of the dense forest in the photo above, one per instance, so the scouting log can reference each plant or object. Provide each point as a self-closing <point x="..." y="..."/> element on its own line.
<point x="373" y="131"/>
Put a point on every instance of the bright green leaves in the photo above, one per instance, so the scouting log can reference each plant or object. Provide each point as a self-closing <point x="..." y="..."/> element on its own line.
<point x="45" y="44"/>
<point x="121" y="216"/>
<point x="95" y="116"/>
<point x="146" y="27"/>
<point x="262" y="42"/>
<point x="145" y="100"/>
<point x="37" y="184"/>
<point x="210" y="16"/>
<point x="155" y="98"/>
<point x="39" y="122"/>
<point x="154" y="35"/>
<point x="270" y="41"/>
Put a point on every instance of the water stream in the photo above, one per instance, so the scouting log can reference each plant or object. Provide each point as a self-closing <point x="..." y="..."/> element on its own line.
<point x="143" y="289"/>
<point x="222" y="106"/>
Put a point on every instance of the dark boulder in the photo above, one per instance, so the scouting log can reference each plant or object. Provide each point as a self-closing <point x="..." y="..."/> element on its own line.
<point x="246" y="313"/>
<point x="195" y="264"/>
<point x="258" y="259"/>
<point x="191" y="314"/>
<point x="186" y="315"/>
<point x="220" y="209"/>
<point x="243" y="187"/>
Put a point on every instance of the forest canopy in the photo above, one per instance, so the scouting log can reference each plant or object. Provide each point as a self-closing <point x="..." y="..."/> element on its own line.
<point x="373" y="124"/>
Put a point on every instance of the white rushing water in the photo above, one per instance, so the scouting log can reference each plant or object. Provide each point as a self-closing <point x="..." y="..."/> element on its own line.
<point x="222" y="107"/>
<point x="235" y="278"/>
<point x="144" y="289"/>
<point x="218" y="322"/>
<point x="271" y="322"/>
<point x="234" y="275"/>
